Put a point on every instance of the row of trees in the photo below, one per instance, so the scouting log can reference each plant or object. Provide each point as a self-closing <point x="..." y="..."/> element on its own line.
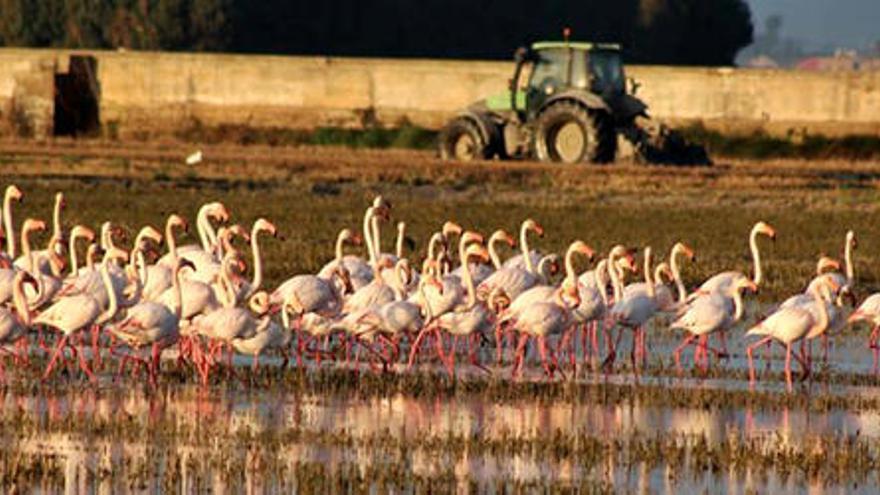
<point x="694" y="32"/>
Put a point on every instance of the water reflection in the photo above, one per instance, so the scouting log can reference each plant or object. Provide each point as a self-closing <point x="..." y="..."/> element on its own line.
<point x="190" y="461"/>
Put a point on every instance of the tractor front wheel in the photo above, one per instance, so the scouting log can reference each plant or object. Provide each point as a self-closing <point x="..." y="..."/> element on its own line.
<point x="567" y="132"/>
<point x="461" y="140"/>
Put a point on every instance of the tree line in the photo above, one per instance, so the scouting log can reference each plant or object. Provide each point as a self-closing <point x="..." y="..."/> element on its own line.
<point x="687" y="32"/>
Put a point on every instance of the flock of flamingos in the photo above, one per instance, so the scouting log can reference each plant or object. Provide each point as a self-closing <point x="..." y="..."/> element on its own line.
<point x="134" y="304"/>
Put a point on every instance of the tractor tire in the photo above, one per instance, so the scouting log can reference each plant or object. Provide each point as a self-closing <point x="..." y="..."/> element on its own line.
<point x="461" y="140"/>
<point x="567" y="132"/>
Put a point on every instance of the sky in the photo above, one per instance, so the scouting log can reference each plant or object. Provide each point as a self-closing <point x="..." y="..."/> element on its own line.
<point x="839" y="23"/>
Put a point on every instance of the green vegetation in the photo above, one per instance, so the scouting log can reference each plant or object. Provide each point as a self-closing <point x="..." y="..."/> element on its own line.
<point x="693" y="32"/>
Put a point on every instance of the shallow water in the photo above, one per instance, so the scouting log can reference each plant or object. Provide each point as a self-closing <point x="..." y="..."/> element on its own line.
<point x="228" y="442"/>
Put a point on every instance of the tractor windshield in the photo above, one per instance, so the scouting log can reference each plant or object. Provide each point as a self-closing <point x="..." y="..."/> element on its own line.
<point x="607" y="71"/>
<point x="551" y="70"/>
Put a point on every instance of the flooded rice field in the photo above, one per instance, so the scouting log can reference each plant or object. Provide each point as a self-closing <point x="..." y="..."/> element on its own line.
<point x="337" y="430"/>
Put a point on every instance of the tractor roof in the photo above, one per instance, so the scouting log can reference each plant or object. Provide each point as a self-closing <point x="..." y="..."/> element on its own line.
<point x="577" y="45"/>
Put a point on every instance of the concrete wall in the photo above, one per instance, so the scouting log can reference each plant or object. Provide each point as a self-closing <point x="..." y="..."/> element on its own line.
<point x="157" y="92"/>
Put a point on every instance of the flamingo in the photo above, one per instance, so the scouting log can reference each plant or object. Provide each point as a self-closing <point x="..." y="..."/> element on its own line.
<point x="267" y="336"/>
<point x="635" y="309"/>
<point x="790" y="325"/>
<point x="541" y="320"/>
<point x="528" y="259"/>
<point x="207" y="235"/>
<point x="514" y="280"/>
<point x="13" y="193"/>
<point x="358" y="270"/>
<point x="401" y="316"/>
<point x="260" y="226"/>
<point x="154" y="324"/>
<point x="76" y="233"/>
<point x="708" y="314"/>
<point x="869" y="311"/>
<point x="14" y="323"/>
<point x="724" y="280"/>
<point x="481" y="271"/>
<point x="47" y="261"/>
<point x="72" y="314"/>
<point x="159" y="276"/>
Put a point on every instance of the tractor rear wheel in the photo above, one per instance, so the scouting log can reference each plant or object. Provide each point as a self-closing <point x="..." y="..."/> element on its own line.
<point x="569" y="133"/>
<point x="461" y="140"/>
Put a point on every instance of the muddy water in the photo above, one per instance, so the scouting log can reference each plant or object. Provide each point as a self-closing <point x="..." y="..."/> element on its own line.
<point x="192" y="441"/>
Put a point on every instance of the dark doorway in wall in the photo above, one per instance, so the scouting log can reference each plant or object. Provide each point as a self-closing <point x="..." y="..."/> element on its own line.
<point x="77" y="94"/>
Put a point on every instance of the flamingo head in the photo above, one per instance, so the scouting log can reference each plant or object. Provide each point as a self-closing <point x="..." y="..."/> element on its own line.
<point x="33" y="225"/>
<point x="825" y="264"/>
<point x="503" y="235"/>
<point x="765" y="229"/>
<point x="451" y="228"/>
<point x="259" y="302"/>
<point x="59" y="200"/>
<point x="530" y="224"/>
<point x="380" y="203"/>
<point x="345" y="276"/>
<point x="583" y="248"/>
<point x="177" y="221"/>
<point x="150" y="232"/>
<point x="478" y="251"/>
<point x="684" y="249"/>
<point x="238" y="230"/>
<point x="851" y="239"/>
<point x="82" y="232"/>
<point x="744" y="283"/>
<point x="13" y="193"/>
<point x="355" y="239"/>
<point x="263" y="225"/>
<point x="498" y="300"/>
<point x="218" y="211"/>
<point x="117" y="254"/>
<point x="471" y="237"/>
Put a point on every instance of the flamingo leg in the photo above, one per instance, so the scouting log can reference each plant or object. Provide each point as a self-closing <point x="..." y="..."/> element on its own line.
<point x="751" y="349"/>
<point x="788" y="366"/>
<point x="677" y="354"/>
<point x="520" y="354"/>
<point x="59" y="348"/>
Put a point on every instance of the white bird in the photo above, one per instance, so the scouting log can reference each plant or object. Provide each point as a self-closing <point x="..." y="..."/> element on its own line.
<point x="72" y="314"/>
<point x="708" y="314"/>
<point x="15" y="321"/>
<point x="154" y="324"/>
<point x="722" y="281"/>
<point x="789" y="325"/>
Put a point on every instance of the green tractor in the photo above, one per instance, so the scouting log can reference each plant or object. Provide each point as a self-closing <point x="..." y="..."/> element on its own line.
<point x="567" y="102"/>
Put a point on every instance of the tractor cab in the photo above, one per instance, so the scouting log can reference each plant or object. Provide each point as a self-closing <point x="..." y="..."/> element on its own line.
<point x="549" y="68"/>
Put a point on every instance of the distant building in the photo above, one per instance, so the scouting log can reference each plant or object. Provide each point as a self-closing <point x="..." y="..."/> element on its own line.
<point x="761" y="62"/>
<point x="841" y="60"/>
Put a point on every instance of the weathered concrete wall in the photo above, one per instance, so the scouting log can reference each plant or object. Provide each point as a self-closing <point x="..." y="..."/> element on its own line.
<point x="158" y="92"/>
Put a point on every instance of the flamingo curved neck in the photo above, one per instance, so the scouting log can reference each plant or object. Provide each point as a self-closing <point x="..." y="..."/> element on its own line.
<point x="524" y="241"/>
<point x="493" y="252"/>
<point x="648" y="279"/>
<point x="258" y="262"/>
<point x="543" y="269"/>
<point x="429" y="314"/>
<point x="113" y="305"/>
<point x="340" y="241"/>
<point x="74" y="262"/>
<point x="227" y="288"/>
<point x="401" y="234"/>
<point x="676" y="275"/>
<point x="570" y="274"/>
<point x="56" y="217"/>
<point x="202" y="224"/>
<point x="400" y="287"/>
<point x="172" y="242"/>
<point x="847" y="255"/>
<point x="599" y="274"/>
<point x="19" y="300"/>
<point x="467" y="278"/>
<point x="756" y="257"/>
<point x="376" y="236"/>
<point x="436" y="239"/>
<point x="819" y="297"/>
<point x="178" y="294"/>
<point x="368" y="236"/>
<point x="7" y="224"/>
<point x="739" y="309"/>
<point x="616" y="283"/>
